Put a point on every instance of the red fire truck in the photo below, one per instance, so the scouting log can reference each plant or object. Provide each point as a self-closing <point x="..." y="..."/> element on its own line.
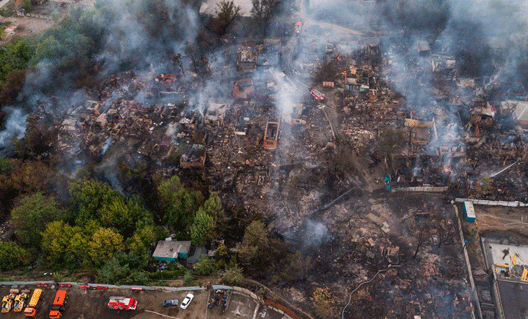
<point x="120" y="303"/>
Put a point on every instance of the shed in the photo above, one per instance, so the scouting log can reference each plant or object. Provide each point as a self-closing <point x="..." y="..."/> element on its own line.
<point x="169" y="250"/>
<point x="469" y="212"/>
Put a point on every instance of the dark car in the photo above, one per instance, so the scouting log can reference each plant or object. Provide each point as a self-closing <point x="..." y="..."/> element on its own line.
<point x="170" y="302"/>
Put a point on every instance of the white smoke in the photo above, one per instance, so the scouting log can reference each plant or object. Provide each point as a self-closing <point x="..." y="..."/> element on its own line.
<point x="315" y="234"/>
<point x="15" y="126"/>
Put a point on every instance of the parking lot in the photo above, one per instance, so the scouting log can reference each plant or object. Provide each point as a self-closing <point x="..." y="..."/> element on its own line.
<point x="92" y="303"/>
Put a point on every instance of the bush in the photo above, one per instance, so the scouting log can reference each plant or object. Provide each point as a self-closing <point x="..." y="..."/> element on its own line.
<point x="13" y="256"/>
<point x="27" y="5"/>
<point x="233" y="276"/>
<point x="167" y="274"/>
<point x="188" y="279"/>
<point x="205" y="266"/>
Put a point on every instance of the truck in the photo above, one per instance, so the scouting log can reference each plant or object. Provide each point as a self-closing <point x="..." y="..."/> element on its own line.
<point x="122" y="303"/>
<point x="20" y="300"/>
<point x="59" y="304"/>
<point x="31" y="309"/>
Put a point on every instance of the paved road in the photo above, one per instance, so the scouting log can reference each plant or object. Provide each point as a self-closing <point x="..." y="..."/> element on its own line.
<point x="309" y="21"/>
<point x="49" y="282"/>
<point x="3" y="3"/>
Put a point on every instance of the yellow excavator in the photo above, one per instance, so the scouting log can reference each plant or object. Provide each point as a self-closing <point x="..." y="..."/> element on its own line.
<point x="7" y="301"/>
<point x="6" y="304"/>
<point x="20" y="300"/>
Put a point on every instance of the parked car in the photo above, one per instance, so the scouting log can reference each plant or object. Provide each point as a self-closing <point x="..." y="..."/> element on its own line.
<point x="317" y="95"/>
<point x="185" y="303"/>
<point x="170" y="302"/>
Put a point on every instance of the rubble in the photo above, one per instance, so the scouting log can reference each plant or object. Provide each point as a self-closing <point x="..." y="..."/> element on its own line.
<point x="456" y="143"/>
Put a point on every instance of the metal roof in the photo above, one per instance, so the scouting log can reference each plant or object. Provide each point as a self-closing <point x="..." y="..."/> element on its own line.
<point x="170" y="249"/>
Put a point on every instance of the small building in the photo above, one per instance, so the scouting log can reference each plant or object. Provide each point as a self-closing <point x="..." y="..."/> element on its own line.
<point x="246" y="58"/>
<point x="469" y="212"/>
<point x="194" y="157"/>
<point x="169" y="250"/>
<point x="271" y="135"/>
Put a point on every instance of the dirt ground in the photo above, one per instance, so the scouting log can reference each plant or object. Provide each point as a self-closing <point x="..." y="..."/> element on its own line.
<point x="92" y="304"/>
<point x="502" y="218"/>
<point x="24" y="27"/>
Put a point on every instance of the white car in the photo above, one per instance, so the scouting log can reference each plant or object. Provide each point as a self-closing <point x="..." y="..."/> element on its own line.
<point x="185" y="303"/>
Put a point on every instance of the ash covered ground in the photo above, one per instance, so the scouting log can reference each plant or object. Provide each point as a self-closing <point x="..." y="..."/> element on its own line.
<point x="403" y="101"/>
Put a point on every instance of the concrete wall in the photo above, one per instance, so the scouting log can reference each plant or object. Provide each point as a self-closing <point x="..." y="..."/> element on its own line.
<point x="491" y="202"/>
<point x="424" y="189"/>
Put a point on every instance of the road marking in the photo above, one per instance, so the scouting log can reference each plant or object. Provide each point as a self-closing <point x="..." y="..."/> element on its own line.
<point x="159" y="314"/>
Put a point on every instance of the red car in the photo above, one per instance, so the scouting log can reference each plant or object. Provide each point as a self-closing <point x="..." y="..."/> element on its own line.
<point x="317" y="95"/>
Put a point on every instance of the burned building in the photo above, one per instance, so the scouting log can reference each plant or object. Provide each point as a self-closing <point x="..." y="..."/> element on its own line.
<point x="194" y="157"/>
<point x="247" y="59"/>
<point x="271" y="135"/>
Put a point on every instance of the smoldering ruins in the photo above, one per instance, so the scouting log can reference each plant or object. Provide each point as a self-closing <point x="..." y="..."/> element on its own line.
<point x="349" y="136"/>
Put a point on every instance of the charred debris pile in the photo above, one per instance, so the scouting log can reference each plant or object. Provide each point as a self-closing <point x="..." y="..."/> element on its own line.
<point x="466" y="135"/>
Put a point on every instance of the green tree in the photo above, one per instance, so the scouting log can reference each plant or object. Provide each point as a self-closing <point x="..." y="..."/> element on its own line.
<point x="205" y="266"/>
<point x="13" y="256"/>
<point x="76" y="247"/>
<point x="178" y="203"/>
<point x="31" y="215"/>
<point x="91" y="199"/>
<point x="213" y="207"/>
<point x="54" y="243"/>
<point x="27" y="4"/>
<point x="124" y="215"/>
<point x="254" y="243"/>
<point x="105" y="242"/>
<point x="202" y="229"/>
<point x="142" y="240"/>
<point x="64" y="244"/>
<point x="6" y="165"/>
<point x="221" y="252"/>
<point x="123" y="269"/>
<point x="49" y="50"/>
<point x="233" y="275"/>
<point x="187" y="278"/>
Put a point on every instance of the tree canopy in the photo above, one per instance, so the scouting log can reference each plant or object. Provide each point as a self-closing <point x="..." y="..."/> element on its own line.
<point x="179" y="204"/>
<point x="31" y="215"/>
<point x="64" y="244"/>
<point x="104" y="243"/>
<point x="13" y="256"/>
<point x="202" y="228"/>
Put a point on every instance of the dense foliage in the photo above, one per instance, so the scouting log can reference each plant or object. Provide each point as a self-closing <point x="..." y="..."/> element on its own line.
<point x="85" y="225"/>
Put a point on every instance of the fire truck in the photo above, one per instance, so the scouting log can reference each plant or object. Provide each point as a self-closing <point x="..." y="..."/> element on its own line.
<point x="58" y="304"/>
<point x="120" y="303"/>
